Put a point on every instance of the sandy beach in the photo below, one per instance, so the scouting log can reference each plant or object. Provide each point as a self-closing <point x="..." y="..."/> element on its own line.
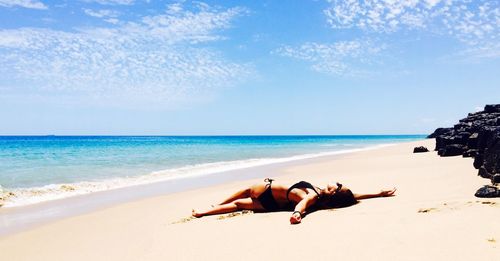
<point x="434" y="216"/>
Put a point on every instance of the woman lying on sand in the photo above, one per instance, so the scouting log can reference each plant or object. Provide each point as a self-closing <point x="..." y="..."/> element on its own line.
<point x="302" y="197"/>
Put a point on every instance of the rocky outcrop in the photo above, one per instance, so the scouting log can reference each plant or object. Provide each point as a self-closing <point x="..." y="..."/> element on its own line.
<point x="420" y="149"/>
<point x="477" y="136"/>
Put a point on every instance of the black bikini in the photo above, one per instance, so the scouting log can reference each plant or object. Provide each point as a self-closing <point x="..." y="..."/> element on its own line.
<point x="301" y="185"/>
<point x="307" y="185"/>
<point x="267" y="199"/>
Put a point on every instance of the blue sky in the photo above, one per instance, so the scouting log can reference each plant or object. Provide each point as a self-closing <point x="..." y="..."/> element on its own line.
<point x="138" y="67"/>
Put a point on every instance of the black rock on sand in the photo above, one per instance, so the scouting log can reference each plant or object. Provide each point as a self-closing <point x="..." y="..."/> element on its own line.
<point x="477" y="136"/>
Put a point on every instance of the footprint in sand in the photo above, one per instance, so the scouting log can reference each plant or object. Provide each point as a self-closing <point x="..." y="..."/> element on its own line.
<point x="183" y="220"/>
<point x="427" y="210"/>
<point x="234" y="214"/>
<point x="456" y="205"/>
<point x="230" y="215"/>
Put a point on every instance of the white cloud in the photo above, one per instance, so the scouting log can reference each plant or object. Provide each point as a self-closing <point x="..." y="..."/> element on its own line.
<point x="477" y="53"/>
<point x="32" y="4"/>
<point x="112" y="20"/>
<point x="157" y="58"/>
<point x="101" y="13"/>
<point x="174" y="8"/>
<point x="382" y="16"/>
<point x="340" y="58"/>
<point x="112" y="2"/>
<point x="109" y="16"/>
<point x="188" y="26"/>
<point x="474" y="23"/>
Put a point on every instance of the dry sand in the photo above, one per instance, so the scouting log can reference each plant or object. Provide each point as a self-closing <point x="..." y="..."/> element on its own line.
<point x="434" y="216"/>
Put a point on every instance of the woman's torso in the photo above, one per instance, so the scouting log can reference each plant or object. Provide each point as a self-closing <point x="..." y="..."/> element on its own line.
<point x="280" y="191"/>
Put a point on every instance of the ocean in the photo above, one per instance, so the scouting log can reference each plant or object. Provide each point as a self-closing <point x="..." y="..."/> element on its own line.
<point x="40" y="168"/>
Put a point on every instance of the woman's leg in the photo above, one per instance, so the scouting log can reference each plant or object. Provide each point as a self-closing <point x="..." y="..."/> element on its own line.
<point x="245" y="193"/>
<point x="238" y="204"/>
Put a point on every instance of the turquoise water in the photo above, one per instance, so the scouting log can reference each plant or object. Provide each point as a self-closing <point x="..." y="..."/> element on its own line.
<point x="37" y="168"/>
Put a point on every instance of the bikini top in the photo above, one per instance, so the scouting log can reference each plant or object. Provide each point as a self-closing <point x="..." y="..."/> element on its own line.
<point x="301" y="184"/>
<point x="307" y="185"/>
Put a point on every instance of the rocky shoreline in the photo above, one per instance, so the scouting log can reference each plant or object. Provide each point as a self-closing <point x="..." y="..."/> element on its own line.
<point x="477" y="136"/>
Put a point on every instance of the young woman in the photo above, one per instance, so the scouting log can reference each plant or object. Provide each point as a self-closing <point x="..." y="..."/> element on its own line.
<point x="302" y="197"/>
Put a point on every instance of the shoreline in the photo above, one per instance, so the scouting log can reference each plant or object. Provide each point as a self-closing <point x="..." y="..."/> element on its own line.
<point x="15" y="219"/>
<point x="40" y="194"/>
<point x="434" y="215"/>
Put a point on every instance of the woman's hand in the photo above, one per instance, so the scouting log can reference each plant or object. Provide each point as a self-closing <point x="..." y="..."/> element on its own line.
<point x="296" y="218"/>
<point x="387" y="193"/>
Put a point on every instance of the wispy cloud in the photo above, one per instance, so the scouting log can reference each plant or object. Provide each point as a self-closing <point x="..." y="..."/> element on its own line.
<point x="474" y="54"/>
<point x="106" y="15"/>
<point x="111" y="2"/>
<point x="340" y="58"/>
<point x="380" y="16"/>
<point x="474" y="23"/>
<point x="32" y="4"/>
<point x="101" y="13"/>
<point x="157" y="58"/>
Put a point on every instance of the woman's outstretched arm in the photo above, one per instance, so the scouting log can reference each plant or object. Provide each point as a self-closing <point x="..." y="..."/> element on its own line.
<point x="301" y="207"/>
<point x="383" y="193"/>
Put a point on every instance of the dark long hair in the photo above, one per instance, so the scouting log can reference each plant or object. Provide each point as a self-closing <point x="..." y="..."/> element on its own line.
<point x="341" y="199"/>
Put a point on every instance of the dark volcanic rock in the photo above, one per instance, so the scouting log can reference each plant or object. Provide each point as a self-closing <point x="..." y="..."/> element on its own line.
<point x="484" y="173"/>
<point x="420" y="149"/>
<point x="470" y="153"/>
<point x="478" y="161"/>
<point x="492" y="108"/>
<point x="488" y="192"/>
<point x="472" y="142"/>
<point x="439" y="132"/>
<point x="453" y="150"/>
<point x="495" y="179"/>
<point x="478" y="136"/>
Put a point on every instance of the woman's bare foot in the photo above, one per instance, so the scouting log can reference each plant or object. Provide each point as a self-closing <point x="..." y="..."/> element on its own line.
<point x="195" y="214"/>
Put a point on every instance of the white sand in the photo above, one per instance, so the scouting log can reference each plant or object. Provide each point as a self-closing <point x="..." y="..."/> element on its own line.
<point x="434" y="216"/>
